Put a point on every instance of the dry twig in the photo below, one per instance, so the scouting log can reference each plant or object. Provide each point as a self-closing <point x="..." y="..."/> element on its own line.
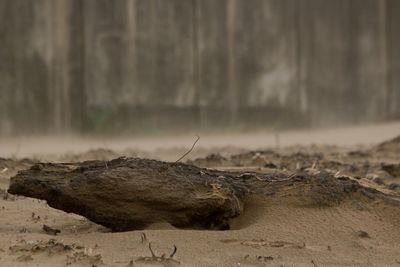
<point x="166" y="262"/>
<point x="51" y="231"/>
<point x="173" y="252"/>
<point x="152" y="253"/>
<point x="190" y="150"/>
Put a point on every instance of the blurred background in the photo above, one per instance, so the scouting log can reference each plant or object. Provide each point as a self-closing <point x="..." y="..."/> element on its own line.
<point x="134" y="67"/>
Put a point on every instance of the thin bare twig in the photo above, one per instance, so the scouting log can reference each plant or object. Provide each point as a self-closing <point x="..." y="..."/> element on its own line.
<point x="190" y="150"/>
<point x="162" y="259"/>
<point x="152" y="253"/>
<point x="173" y="252"/>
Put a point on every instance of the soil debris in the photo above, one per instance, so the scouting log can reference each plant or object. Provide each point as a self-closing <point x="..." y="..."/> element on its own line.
<point x="163" y="260"/>
<point x="24" y="258"/>
<point x="50" y="231"/>
<point x="363" y="234"/>
<point x="265" y="258"/>
<point x="51" y="247"/>
<point x="84" y="258"/>
<point x="392" y="169"/>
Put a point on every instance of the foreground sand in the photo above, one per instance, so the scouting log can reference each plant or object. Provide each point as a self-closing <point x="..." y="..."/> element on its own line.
<point x="281" y="230"/>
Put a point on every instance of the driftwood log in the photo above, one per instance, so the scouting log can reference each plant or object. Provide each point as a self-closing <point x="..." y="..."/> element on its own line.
<point x="130" y="193"/>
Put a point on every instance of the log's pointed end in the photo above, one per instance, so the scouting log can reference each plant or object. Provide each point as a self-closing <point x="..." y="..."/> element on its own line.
<point x="14" y="189"/>
<point x="27" y="186"/>
<point x="16" y="186"/>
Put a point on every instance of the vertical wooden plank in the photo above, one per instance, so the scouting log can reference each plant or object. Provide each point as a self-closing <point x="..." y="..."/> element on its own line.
<point x="232" y="96"/>
<point x="130" y="78"/>
<point x="383" y="56"/>
<point x="7" y="68"/>
<point x="370" y="68"/>
<point x="62" y="101"/>
<point x="393" y="22"/>
<point x="76" y="66"/>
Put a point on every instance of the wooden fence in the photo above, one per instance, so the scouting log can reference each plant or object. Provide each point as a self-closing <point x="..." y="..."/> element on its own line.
<point x="131" y="66"/>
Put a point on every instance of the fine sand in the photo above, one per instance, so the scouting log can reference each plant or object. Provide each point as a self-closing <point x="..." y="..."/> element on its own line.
<point x="279" y="230"/>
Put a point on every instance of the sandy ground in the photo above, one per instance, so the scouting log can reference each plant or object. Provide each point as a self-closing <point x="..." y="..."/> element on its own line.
<point x="276" y="231"/>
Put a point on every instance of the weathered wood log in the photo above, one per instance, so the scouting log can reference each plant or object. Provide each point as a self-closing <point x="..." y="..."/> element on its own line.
<point x="126" y="194"/>
<point x="130" y="193"/>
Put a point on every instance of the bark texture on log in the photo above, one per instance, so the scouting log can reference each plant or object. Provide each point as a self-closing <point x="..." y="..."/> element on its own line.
<point x="130" y="193"/>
